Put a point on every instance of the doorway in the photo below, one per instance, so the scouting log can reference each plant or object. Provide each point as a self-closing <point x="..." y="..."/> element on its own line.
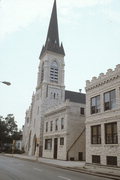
<point x="80" y="156"/>
<point x="55" y="147"/>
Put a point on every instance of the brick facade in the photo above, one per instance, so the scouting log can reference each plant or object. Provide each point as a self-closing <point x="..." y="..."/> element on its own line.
<point x="104" y="112"/>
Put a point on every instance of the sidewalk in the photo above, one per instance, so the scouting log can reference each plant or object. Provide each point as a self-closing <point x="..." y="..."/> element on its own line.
<point x="102" y="171"/>
<point x="61" y="163"/>
<point x="113" y="172"/>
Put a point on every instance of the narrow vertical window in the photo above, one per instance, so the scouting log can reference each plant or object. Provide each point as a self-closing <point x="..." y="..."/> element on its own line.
<point x="56" y="124"/>
<point x="46" y="127"/>
<point x="47" y="91"/>
<point x="54" y="72"/>
<point x="62" y="141"/>
<point x="62" y="123"/>
<point x="42" y="73"/>
<point x="51" y="125"/>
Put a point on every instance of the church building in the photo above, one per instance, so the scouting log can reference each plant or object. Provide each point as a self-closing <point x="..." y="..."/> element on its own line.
<point x="55" y="121"/>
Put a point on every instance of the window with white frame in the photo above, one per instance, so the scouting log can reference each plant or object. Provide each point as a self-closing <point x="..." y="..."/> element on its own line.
<point x="111" y="135"/>
<point x="109" y="100"/>
<point x="95" y="104"/>
<point x="96" y="134"/>
<point x="54" y="72"/>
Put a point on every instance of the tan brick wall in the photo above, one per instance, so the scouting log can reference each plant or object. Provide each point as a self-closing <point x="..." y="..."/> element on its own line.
<point x="98" y="86"/>
<point x="74" y="124"/>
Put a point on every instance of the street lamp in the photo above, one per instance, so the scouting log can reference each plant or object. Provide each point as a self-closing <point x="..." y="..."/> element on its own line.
<point x="5" y="82"/>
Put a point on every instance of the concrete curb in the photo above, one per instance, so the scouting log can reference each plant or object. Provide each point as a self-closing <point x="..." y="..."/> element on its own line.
<point x="84" y="171"/>
<point x="75" y="169"/>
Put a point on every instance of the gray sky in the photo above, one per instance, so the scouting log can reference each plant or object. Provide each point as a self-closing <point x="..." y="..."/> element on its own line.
<point x="89" y="30"/>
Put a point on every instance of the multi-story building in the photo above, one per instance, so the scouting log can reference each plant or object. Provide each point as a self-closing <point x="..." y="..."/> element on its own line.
<point x="49" y="106"/>
<point x="64" y="129"/>
<point x="103" y="118"/>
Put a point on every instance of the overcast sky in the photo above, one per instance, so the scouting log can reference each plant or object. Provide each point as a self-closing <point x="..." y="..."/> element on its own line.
<point x="89" y="30"/>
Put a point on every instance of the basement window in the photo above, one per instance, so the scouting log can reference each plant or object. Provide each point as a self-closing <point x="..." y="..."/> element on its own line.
<point x="96" y="159"/>
<point x="111" y="160"/>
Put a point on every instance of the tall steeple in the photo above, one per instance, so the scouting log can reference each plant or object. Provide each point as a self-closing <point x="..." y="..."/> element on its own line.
<point x="52" y="40"/>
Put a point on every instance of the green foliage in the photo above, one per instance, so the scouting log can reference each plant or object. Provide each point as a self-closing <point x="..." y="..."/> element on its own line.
<point x="8" y="131"/>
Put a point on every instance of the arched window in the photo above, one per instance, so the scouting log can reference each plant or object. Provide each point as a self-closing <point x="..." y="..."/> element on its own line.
<point x="54" y="72"/>
<point x="42" y="73"/>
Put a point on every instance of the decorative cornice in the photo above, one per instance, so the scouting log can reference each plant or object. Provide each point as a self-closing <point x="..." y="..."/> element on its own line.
<point x="102" y="79"/>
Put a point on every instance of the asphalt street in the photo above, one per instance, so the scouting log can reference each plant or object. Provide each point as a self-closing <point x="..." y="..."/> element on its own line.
<point x="16" y="169"/>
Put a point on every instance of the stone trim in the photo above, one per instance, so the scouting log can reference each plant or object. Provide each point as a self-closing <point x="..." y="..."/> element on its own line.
<point x="111" y="75"/>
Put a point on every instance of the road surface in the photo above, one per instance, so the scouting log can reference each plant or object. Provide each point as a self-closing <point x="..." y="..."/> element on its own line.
<point x="16" y="169"/>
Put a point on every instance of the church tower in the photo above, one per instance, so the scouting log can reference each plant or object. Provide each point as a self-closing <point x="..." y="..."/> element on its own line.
<point x="51" y="69"/>
<point x="49" y="118"/>
<point x="50" y="90"/>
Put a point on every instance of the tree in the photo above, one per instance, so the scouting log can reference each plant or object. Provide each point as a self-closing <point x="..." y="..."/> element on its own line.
<point x="3" y="132"/>
<point x="8" y="130"/>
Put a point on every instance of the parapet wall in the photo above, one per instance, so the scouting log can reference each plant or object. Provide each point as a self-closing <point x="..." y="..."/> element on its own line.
<point x="103" y="78"/>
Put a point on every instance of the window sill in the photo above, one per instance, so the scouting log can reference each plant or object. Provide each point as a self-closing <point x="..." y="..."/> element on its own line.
<point x="96" y="163"/>
<point x="95" y="113"/>
<point x="108" y="110"/>
<point x="96" y="145"/>
<point x="111" y="145"/>
<point x="104" y="112"/>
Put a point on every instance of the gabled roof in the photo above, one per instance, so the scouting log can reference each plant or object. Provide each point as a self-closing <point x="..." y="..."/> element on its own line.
<point x="52" y="40"/>
<point x="75" y="97"/>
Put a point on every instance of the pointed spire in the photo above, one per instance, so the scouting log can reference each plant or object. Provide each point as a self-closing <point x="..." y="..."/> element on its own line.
<point x="52" y="40"/>
<point x="53" y="35"/>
